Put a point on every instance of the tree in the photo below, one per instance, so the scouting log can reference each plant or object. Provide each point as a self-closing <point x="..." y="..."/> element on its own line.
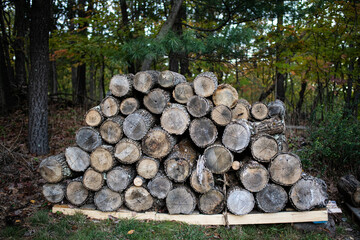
<point x="39" y="75"/>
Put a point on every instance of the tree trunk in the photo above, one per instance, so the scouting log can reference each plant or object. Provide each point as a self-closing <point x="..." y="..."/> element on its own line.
<point x="156" y="100"/>
<point x="218" y="159"/>
<point x="121" y="85"/>
<point x="102" y="159"/>
<point x="77" y="159"/>
<point x="349" y="187"/>
<point x="203" y="132"/>
<point x="205" y="84"/>
<point x="225" y="94"/>
<point x="254" y="176"/>
<point x="54" y="169"/>
<point x="236" y="136"/>
<point x="88" y="138"/>
<point x="54" y="193"/>
<point x="119" y="178"/>
<point x="264" y="147"/>
<point x="39" y="74"/>
<point x="280" y="77"/>
<point x="221" y="115"/>
<point x="272" y="198"/>
<point x="175" y="119"/>
<point x="111" y="130"/>
<point x="107" y="200"/>
<point x="183" y="92"/>
<point x="180" y="200"/>
<point x="158" y="143"/>
<point x="19" y="43"/>
<point x="170" y="79"/>
<point x="240" y="201"/>
<point x="199" y="106"/>
<point x="138" y="199"/>
<point x="144" y="81"/>
<point x="102" y="79"/>
<point x="137" y="124"/>
<point x="76" y="193"/>
<point x="285" y="169"/>
<point x="94" y="117"/>
<point x="212" y="202"/>
<point x="129" y="105"/>
<point x="308" y="193"/>
<point x="110" y="106"/>
<point x="147" y="167"/>
<point x="127" y="151"/>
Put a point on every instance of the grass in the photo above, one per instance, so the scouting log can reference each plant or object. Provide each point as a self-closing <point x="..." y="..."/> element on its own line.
<point x="45" y="225"/>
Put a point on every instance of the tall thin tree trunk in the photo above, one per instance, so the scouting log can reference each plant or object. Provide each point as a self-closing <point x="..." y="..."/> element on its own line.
<point x="280" y="77"/>
<point x="39" y="74"/>
<point x="92" y="81"/>
<point x="19" y="43"/>
<point x="102" y="79"/>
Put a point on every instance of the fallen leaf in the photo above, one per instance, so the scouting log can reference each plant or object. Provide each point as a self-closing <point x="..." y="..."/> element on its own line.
<point x="131" y="232"/>
<point x="18" y="221"/>
<point x="32" y="201"/>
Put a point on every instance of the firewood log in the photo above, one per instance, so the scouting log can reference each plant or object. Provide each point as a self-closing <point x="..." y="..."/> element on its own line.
<point x="259" y="111"/>
<point x="137" y="124"/>
<point x="138" y="199"/>
<point x="177" y="169"/>
<point x="159" y="186"/>
<point x="308" y="193"/>
<point x="94" y="117"/>
<point x="88" y="138"/>
<point x="54" y="169"/>
<point x="236" y="136"/>
<point x="107" y="200"/>
<point x="121" y="85"/>
<point x="93" y="180"/>
<point x="180" y="200"/>
<point x="241" y="110"/>
<point x="225" y="94"/>
<point x="127" y="151"/>
<point x="119" y="178"/>
<point x="349" y="187"/>
<point x="185" y="149"/>
<point x="111" y="130"/>
<point x="264" y="147"/>
<point x="157" y="143"/>
<point x="129" y="105"/>
<point x="270" y="126"/>
<point x="221" y="115"/>
<point x="276" y="109"/>
<point x="147" y="167"/>
<point x="218" y="159"/>
<point x="203" y="183"/>
<point x="77" y="159"/>
<point x="54" y="192"/>
<point x="205" y="84"/>
<point x="212" y="202"/>
<point x="169" y="79"/>
<point x="254" y="176"/>
<point x="102" y="159"/>
<point x="76" y="193"/>
<point x="203" y="132"/>
<point x="285" y="169"/>
<point x="156" y="100"/>
<point x="110" y="106"/>
<point x="272" y="198"/>
<point x="183" y="92"/>
<point x="144" y="81"/>
<point x="240" y="201"/>
<point x="175" y="119"/>
<point x="199" y="106"/>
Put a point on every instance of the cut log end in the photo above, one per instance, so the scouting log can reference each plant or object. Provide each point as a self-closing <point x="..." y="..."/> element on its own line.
<point x="160" y="186"/>
<point x="177" y="169"/>
<point x="76" y="193"/>
<point x="129" y="105"/>
<point x="156" y="100"/>
<point x="119" y="178"/>
<point x="240" y="111"/>
<point x="54" y="193"/>
<point x="111" y="130"/>
<point x="236" y="136"/>
<point x="205" y="84"/>
<point x="202" y="182"/>
<point x="101" y="159"/>
<point x="120" y="85"/>
<point x="254" y="176"/>
<point x="94" y="117"/>
<point x="203" y="132"/>
<point x="221" y="115"/>
<point x="144" y="81"/>
<point x="264" y="148"/>
<point x="107" y="200"/>
<point x="218" y="159"/>
<point x="138" y="199"/>
<point x="199" y="106"/>
<point x="93" y="180"/>
<point x="285" y="169"/>
<point x="212" y="202"/>
<point x="183" y="92"/>
<point x="54" y="169"/>
<point x="157" y="143"/>
<point x="88" y="138"/>
<point x="225" y="94"/>
<point x="175" y="119"/>
<point x="272" y="198"/>
<point x="259" y="111"/>
<point x="137" y="124"/>
<point x="109" y="106"/>
<point x="77" y="159"/>
<point x="127" y="151"/>
<point x="169" y="79"/>
<point x="240" y="201"/>
<point x="147" y="167"/>
<point x="180" y="201"/>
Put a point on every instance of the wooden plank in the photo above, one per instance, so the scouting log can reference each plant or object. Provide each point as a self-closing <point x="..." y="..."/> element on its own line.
<point x="201" y="219"/>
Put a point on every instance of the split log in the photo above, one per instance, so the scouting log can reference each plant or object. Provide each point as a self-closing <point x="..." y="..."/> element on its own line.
<point x="54" y="192"/>
<point x="156" y="100"/>
<point x="119" y="178"/>
<point x="221" y="115"/>
<point x="240" y="201"/>
<point x="270" y="126"/>
<point x="160" y="186"/>
<point x="127" y="151"/>
<point x="259" y="111"/>
<point x="241" y="111"/>
<point x="285" y="169"/>
<point x="185" y="149"/>
<point x="169" y="79"/>
<point x="93" y="180"/>
<point x="254" y="176"/>
<point x="101" y="159"/>
<point x="129" y="105"/>
<point x="121" y="85"/>
<point x="157" y="143"/>
<point x="199" y="106"/>
<point x="212" y="202"/>
<point x="147" y="167"/>
<point x="203" y="183"/>
<point x="264" y="148"/>
<point x="276" y="109"/>
<point x="218" y="159"/>
<point x="110" y="106"/>
<point x="144" y="81"/>
<point x="94" y="117"/>
<point x="111" y="129"/>
<point x="137" y="124"/>
<point x="349" y="187"/>
<point x="139" y="181"/>
<point x="308" y="193"/>
<point x="203" y="132"/>
<point x="76" y="193"/>
<point x="88" y="138"/>
<point x="54" y="169"/>
<point x="183" y="92"/>
<point x="225" y="94"/>
<point x="107" y="201"/>
<point x="180" y="200"/>
<point x="205" y="84"/>
<point x="138" y="199"/>
<point x="175" y="119"/>
<point x="177" y="169"/>
<point x="272" y="198"/>
<point x="236" y="136"/>
<point x="77" y="159"/>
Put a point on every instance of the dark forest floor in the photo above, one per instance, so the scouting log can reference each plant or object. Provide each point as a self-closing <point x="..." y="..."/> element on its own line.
<point x="21" y="184"/>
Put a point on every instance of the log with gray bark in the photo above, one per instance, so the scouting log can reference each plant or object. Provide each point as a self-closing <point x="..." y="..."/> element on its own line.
<point x="218" y="159"/>
<point x="276" y="109"/>
<point x="205" y="84"/>
<point x="185" y="149"/>
<point x="221" y="115"/>
<point x="94" y="117"/>
<point x="88" y="138"/>
<point x="203" y="132"/>
<point x="119" y="178"/>
<point x="144" y="81"/>
<point x="129" y="105"/>
<point x="199" y="106"/>
<point x="236" y="136"/>
<point x="180" y="200"/>
<point x="240" y="201"/>
<point x="169" y="79"/>
<point x="107" y="200"/>
<point x="349" y="187"/>
<point x="157" y="143"/>
<point x="254" y="176"/>
<point x="264" y="147"/>
<point x="183" y="92"/>
<point x="175" y="119"/>
<point x="225" y="94"/>
<point x="202" y="181"/>
<point x="138" y="199"/>
<point x="285" y="169"/>
<point x="137" y="124"/>
<point x="211" y="202"/>
<point x="127" y="151"/>
<point x="121" y="85"/>
<point x="54" y="169"/>
<point x="77" y="159"/>
<point x="110" y="106"/>
<point x="270" y="126"/>
<point x="111" y="130"/>
<point x="156" y="100"/>
<point x="272" y="198"/>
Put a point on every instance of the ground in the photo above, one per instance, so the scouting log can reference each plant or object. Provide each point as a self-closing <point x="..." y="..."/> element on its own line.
<point x="25" y="214"/>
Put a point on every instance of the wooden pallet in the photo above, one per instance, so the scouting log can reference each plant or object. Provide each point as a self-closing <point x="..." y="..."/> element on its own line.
<point x="319" y="215"/>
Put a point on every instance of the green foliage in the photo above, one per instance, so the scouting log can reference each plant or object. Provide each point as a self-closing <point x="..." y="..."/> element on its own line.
<point x="334" y="143"/>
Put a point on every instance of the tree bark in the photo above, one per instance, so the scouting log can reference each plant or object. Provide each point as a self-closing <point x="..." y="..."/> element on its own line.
<point x="39" y="74"/>
<point x="19" y="43"/>
<point x="54" y="169"/>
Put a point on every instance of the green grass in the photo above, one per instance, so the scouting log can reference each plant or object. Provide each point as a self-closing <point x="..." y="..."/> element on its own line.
<point x="45" y="225"/>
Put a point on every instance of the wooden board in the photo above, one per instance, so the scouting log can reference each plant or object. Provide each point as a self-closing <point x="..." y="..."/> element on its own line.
<point x="201" y="219"/>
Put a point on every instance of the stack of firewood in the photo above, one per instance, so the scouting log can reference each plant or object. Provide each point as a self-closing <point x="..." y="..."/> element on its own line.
<point x="158" y="142"/>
